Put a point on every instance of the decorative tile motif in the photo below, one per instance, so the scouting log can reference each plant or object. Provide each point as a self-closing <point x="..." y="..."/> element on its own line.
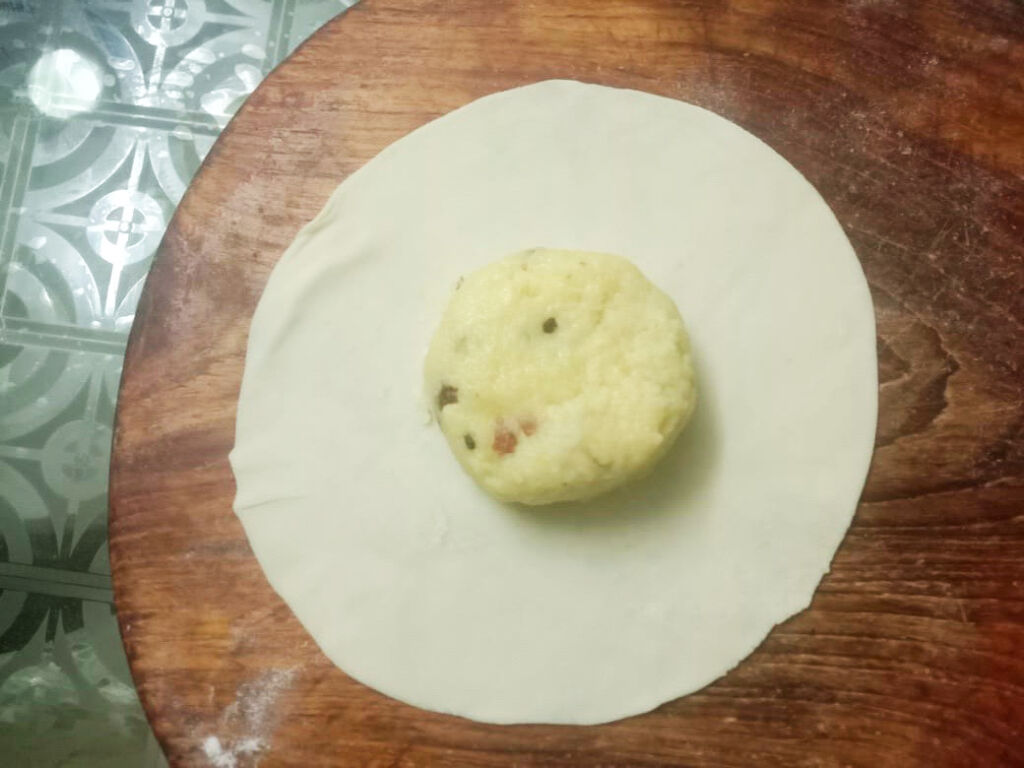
<point x="66" y="696"/>
<point x="107" y="109"/>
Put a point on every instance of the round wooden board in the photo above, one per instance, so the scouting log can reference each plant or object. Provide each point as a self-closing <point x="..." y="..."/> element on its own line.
<point x="908" y="117"/>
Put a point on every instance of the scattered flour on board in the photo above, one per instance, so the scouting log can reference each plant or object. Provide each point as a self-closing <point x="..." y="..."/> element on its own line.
<point x="249" y="719"/>
<point x="228" y="758"/>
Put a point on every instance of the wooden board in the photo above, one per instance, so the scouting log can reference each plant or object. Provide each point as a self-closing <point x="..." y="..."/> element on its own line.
<point x="908" y="117"/>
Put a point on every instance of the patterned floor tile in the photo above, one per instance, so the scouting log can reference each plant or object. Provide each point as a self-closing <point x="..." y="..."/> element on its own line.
<point x="54" y="455"/>
<point x="66" y="696"/>
<point x="107" y="109"/>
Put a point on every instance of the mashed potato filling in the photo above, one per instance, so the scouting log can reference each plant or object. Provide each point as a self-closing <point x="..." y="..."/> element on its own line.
<point x="557" y="375"/>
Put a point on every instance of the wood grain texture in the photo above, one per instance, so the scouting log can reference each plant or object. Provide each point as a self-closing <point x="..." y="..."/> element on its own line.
<point x="908" y="117"/>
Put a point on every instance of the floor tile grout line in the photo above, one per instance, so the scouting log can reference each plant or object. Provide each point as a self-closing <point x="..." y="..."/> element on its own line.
<point x="159" y="119"/>
<point x="12" y="162"/>
<point x="57" y="589"/>
<point x="140" y="116"/>
<point x="15" y="324"/>
<point x="19" y="164"/>
<point x="277" y="32"/>
<point x="53" y="575"/>
<point x="93" y="398"/>
<point x="61" y="343"/>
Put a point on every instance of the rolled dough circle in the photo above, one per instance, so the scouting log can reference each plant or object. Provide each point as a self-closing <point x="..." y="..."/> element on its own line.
<point x="418" y="584"/>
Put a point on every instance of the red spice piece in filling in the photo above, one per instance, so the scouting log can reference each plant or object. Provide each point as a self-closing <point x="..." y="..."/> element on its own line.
<point x="505" y="440"/>
<point x="528" y="425"/>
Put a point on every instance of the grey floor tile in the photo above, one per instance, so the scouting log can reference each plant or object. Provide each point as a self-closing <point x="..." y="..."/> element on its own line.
<point x="66" y="696"/>
<point x="107" y="109"/>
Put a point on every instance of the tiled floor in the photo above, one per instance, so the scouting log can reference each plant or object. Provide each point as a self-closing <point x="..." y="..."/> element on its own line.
<point x="107" y="108"/>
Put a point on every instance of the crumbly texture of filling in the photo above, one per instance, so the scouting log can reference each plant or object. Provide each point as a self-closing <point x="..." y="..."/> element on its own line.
<point x="557" y="375"/>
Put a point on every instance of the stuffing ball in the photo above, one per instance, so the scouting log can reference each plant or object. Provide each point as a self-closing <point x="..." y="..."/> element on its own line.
<point x="558" y="375"/>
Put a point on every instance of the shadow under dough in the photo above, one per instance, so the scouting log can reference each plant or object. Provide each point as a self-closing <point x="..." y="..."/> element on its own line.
<point x="672" y="488"/>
